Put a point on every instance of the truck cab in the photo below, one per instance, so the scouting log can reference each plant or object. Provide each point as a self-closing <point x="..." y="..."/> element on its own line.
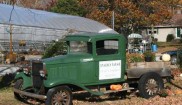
<point x="93" y="61"/>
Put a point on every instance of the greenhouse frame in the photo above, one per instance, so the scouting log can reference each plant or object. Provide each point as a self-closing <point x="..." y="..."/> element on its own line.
<point x="38" y="28"/>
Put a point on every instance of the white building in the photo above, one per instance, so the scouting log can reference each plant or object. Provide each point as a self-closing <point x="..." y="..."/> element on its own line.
<point x="161" y="32"/>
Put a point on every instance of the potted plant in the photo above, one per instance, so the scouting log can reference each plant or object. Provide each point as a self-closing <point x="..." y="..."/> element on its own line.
<point x="134" y="57"/>
<point x="135" y="60"/>
<point x="149" y="56"/>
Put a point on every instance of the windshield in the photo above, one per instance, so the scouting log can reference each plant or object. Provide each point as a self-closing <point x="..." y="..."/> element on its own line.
<point x="80" y="46"/>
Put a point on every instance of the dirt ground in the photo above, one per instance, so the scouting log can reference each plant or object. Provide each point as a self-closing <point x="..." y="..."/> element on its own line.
<point x="7" y="98"/>
<point x="133" y="98"/>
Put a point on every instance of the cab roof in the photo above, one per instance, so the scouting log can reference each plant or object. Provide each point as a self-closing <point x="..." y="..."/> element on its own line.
<point x="92" y="36"/>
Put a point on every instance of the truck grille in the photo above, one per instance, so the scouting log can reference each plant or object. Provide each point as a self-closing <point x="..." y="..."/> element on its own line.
<point x="37" y="80"/>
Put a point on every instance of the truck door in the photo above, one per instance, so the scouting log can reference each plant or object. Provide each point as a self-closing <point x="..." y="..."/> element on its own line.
<point x="108" y="60"/>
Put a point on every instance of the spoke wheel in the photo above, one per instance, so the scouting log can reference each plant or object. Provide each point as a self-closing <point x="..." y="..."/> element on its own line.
<point x="150" y="84"/>
<point x="59" y="96"/>
<point x="151" y="87"/>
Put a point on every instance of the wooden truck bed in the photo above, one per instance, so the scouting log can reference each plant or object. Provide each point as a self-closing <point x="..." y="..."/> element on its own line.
<point x="136" y="70"/>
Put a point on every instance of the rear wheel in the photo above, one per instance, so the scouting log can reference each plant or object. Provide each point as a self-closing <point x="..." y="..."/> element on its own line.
<point x="18" y="85"/>
<point x="59" y="96"/>
<point x="150" y="84"/>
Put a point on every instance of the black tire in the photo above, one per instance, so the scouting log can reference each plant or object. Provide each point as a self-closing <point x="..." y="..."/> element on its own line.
<point x="150" y="84"/>
<point x="61" y="95"/>
<point x="174" y="60"/>
<point x="18" y="85"/>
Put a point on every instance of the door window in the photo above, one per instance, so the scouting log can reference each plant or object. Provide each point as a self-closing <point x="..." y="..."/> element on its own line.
<point x="107" y="47"/>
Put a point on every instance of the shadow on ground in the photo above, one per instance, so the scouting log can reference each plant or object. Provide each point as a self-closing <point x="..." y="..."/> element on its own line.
<point x="6" y="80"/>
<point x="87" y="97"/>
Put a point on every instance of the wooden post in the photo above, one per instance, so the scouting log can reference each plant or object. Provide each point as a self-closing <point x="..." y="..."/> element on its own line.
<point x="10" y="41"/>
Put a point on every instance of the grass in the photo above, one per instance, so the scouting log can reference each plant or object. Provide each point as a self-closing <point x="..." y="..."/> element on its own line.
<point x="7" y="97"/>
<point x="6" y="91"/>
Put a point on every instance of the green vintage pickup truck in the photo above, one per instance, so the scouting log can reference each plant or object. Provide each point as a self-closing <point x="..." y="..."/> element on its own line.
<point x="93" y="63"/>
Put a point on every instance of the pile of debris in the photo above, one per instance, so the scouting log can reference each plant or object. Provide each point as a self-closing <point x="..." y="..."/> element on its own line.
<point x="8" y="69"/>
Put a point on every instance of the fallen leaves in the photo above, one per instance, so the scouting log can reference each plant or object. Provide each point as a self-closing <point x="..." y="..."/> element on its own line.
<point x="175" y="100"/>
<point x="178" y="92"/>
<point x="176" y="72"/>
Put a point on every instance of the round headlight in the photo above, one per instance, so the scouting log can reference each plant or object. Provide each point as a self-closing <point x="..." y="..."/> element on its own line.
<point x="26" y="70"/>
<point x="43" y="73"/>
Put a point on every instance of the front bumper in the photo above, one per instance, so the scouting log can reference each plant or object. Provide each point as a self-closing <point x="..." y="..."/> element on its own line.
<point x="41" y="97"/>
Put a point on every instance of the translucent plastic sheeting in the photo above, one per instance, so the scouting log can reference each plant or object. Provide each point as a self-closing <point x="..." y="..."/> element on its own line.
<point x="30" y="33"/>
<point x="38" y="28"/>
<point x="51" y="21"/>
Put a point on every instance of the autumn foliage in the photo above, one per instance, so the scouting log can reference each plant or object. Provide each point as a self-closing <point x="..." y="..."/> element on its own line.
<point x="129" y="14"/>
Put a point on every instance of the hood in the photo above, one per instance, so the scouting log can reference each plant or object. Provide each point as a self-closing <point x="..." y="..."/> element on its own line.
<point x="70" y="58"/>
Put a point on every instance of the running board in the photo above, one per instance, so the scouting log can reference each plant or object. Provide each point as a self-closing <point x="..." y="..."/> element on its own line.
<point x="114" y="91"/>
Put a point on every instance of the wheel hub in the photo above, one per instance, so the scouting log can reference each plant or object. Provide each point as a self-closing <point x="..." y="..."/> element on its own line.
<point x="60" y="98"/>
<point x="151" y="87"/>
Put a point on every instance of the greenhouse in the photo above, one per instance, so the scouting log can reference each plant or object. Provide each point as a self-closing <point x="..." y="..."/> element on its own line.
<point x="36" y="28"/>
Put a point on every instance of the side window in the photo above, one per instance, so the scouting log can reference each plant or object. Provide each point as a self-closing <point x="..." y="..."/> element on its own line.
<point x="80" y="47"/>
<point x="107" y="47"/>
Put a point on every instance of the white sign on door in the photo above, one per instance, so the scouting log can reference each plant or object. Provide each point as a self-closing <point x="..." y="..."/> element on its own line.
<point x="109" y="69"/>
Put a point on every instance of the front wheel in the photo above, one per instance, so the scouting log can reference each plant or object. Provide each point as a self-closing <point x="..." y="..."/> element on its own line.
<point x="150" y="84"/>
<point x="18" y="85"/>
<point x="61" y="95"/>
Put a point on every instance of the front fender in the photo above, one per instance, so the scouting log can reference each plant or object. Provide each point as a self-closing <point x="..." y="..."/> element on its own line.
<point x="27" y="80"/>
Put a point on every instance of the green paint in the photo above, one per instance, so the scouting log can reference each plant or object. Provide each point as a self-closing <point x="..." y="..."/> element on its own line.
<point x="27" y="80"/>
<point x="82" y="68"/>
